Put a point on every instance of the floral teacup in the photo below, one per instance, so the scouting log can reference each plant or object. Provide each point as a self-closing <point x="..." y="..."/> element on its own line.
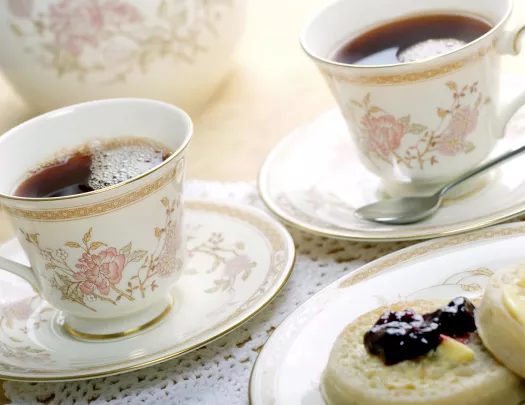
<point x="417" y="125"/>
<point x="106" y="258"/>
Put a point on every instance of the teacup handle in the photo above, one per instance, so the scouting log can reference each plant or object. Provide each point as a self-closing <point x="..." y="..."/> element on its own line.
<point x="21" y="271"/>
<point x="510" y="44"/>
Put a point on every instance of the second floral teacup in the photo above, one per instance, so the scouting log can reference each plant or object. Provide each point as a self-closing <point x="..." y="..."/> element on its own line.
<point x="107" y="258"/>
<point x="417" y="125"/>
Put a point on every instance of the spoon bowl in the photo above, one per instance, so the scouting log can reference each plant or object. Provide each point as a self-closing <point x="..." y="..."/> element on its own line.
<point x="400" y="211"/>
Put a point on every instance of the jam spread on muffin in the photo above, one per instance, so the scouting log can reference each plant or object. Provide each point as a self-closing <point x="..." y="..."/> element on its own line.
<point x="405" y="335"/>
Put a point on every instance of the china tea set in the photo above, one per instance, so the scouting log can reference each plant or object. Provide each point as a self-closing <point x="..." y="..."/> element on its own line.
<point x="112" y="270"/>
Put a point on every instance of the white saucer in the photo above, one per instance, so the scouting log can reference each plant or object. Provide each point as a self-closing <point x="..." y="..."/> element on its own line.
<point x="314" y="181"/>
<point x="289" y="367"/>
<point x="240" y="258"/>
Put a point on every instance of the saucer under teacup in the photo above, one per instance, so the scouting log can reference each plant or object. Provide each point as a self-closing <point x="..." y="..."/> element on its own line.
<point x="313" y="180"/>
<point x="239" y="259"/>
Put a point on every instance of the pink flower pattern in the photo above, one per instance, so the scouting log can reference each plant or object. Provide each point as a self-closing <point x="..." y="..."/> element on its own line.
<point x="100" y="271"/>
<point x="452" y="144"/>
<point x="464" y="121"/>
<point x="106" y="41"/>
<point x="97" y="274"/>
<point x="77" y="23"/>
<point x="383" y="133"/>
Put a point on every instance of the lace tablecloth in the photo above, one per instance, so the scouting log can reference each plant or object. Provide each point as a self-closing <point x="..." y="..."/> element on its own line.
<point x="217" y="374"/>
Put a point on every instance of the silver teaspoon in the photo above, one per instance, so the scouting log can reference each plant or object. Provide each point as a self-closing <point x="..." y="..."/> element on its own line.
<point x="408" y="210"/>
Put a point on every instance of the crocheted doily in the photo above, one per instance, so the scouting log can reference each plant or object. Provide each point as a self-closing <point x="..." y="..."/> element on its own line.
<point x="217" y="374"/>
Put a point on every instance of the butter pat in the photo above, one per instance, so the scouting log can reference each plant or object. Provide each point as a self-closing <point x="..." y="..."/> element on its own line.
<point x="514" y="304"/>
<point x="454" y="351"/>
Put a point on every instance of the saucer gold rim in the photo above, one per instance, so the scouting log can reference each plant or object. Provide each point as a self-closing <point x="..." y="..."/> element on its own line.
<point x="161" y="359"/>
<point x="195" y="204"/>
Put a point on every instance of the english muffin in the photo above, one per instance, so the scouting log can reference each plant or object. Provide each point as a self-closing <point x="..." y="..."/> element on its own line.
<point x="440" y="370"/>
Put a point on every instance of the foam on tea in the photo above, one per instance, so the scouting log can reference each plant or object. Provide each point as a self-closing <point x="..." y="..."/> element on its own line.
<point x="411" y="39"/>
<point x="93" y="167"/>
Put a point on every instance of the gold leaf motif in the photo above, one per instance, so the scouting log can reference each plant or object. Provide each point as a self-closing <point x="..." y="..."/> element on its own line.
<point x="471" y="287"/>
<point x="417" y="128"/>
<point x="50" y="266"/>
<point x="375" y="109"/>
<point x="87" y="236"/>
<point x="73" y="245"/>
<point x="96" y="245"/>
<point x="34" y="237"/>
<point x="158" y="232"/>
<point x="165" y="202"/>
<point x="15" y="29"/>
<point x="366" y="100"/>
<point x="469" y="147"/>
<point x="484" y="271"/>
<point x="356" y="103"/>
<point x="478" y="101"/>
<point x="15" y="339"/>
<point x="442" y="113"/>
<point x="137" y="255"/>
<point x="452" y="86"/>
<point x="405" y="121"/>
<point x="488" y="100"/>
<point x="126" y="250"/>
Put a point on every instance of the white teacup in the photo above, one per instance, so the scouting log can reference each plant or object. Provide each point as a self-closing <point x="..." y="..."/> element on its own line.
<point x="107" y="258"/>
<point x="418" y="125"/>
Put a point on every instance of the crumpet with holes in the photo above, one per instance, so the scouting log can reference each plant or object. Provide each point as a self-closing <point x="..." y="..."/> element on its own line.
<point x="355" y="377"/>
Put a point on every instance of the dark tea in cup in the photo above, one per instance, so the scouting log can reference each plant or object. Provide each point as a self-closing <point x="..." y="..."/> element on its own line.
<point x="412" y="38"/>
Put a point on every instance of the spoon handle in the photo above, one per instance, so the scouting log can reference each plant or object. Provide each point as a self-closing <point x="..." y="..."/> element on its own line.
<point x="478" y="170"/>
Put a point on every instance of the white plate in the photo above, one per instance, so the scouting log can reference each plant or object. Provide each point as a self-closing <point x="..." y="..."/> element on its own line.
<point x="289" y="367"/>
<point x="313" y="180"/>
<point x="240" y="259"/>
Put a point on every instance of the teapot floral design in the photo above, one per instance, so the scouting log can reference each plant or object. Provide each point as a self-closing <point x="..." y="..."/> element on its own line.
<point x="157" y="49"/>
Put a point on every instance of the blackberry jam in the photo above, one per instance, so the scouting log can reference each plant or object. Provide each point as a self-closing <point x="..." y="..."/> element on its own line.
<point x="405" y="335"/>
<point x="456" y="319"/>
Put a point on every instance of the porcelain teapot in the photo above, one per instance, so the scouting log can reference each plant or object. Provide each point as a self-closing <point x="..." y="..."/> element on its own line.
<point x="61" y="52"/>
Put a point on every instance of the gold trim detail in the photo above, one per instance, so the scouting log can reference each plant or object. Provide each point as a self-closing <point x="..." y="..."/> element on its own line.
<point x="475" y="190"/>
<point x="88" y="336"/>
<point x="369" y="271"/>
<point x="516" y="39"/>
<point x="178" y="153"/>
<point x="99" y="208"/>
<point x="283" y="261"/>
<point x="407" y="77"/>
